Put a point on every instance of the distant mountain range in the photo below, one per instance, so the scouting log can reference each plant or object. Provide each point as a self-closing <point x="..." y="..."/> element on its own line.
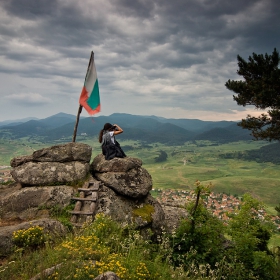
<point x="15" y="122"/>
<point x="149" y="129"/>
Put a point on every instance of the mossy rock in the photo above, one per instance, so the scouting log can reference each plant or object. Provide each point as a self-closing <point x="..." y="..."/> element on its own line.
<point x="144" y="212"/>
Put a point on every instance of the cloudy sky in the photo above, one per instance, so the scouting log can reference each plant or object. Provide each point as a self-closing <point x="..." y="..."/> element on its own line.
<point x="153" y="57"/>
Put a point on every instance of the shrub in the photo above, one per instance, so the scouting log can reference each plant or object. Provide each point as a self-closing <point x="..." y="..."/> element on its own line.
<point x="199" y="238"/>
<point x="32" y="237"/>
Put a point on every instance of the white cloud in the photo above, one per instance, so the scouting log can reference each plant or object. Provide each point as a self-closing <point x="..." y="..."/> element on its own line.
<point x="31" y="99"/>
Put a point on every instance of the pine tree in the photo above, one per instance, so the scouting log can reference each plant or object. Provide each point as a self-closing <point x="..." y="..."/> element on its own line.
<point x="261" y="88"/>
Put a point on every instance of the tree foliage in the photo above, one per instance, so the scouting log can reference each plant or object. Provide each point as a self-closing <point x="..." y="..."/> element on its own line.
<point x="268" y="153"/>
<point x="199" y="239"/>
<point x="260" y="88"/>
<point x="250" y="237"/>
<point x="277" y="208"/>
<point x="161" y="157"/>
<point x="240" y="248"/>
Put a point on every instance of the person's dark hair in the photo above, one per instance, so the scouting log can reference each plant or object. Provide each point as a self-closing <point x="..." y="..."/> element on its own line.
<point x="107" y="126"/>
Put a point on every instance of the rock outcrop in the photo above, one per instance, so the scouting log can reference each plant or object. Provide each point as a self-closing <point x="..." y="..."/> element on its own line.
<point x="173" y="216"/>
<point x="124" y="194"/>
<point x="30" y="203"/>
<point x="49" y="173"/>
<point x="174" y="210"/>
<point x="44" y="179"/>
<point x="40" y="186"/>
<point x="58" y="164"/>
<point x="58" y="153"/>
<point x="109" y="275"/>
<point x="145" y="212"/>
<point x="124" y="175"/>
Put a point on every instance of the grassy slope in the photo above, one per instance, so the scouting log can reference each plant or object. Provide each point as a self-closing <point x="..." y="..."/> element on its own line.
<point x="14" y="148"/>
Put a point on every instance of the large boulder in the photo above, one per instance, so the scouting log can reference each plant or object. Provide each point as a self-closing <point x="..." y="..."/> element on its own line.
<point x="124" y="193"/>
<point x="51" y="227"/>
<point x="59" y="164"/>
<point x="145" y="212"/>
<point x="124" y="175"/>
<point x="50" y="173"/>
<point x="30" y="203"/>
<point x="173" y="217"/>
<point x="101" y="165"/>
<point x="16" y="161"/>
<point x="58" y="153"/>
<point x="135" y="183"/>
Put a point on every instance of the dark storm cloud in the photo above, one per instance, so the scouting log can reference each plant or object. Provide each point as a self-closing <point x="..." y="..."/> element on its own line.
<point x="31" y="8"/>
<point x="138" y="8"/>
<point x="154" y="55"/>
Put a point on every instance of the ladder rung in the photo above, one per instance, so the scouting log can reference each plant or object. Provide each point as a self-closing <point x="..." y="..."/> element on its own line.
<point x="84" y="199"/>
<point x="93" y="183"/>
<point x="81" y="213"/>
<point x="88" y="190"/>
<point x="77" y="225"/>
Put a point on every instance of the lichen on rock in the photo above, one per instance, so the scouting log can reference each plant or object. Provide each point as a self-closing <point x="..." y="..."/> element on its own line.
<point x="144" y="212"/>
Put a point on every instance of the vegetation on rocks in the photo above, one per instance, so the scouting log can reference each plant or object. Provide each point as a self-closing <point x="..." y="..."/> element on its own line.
<point x="32" y="237"/>
<point x="202" y="247"/>
<point x="144" y="212"/>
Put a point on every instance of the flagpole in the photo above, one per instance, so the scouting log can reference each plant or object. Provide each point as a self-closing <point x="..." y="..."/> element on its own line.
<point x="80" y="106"/>
<point x="77" y="121"/>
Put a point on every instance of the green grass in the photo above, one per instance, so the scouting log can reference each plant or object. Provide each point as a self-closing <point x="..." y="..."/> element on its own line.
<point x="14" y="148"/>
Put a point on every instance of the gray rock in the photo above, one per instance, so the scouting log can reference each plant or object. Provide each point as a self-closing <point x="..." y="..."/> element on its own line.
<point x="20" y="160"/>
<point x="135" y="183"/>
<point x="109" y="275"/>
<point x="49" y="173"/>
<point x="100" y="164"/>
<point x="59" y="153"/>
<point x="173" y="217"/>
<point x="52" y="227"/>
<point x="144" y="213"/>
<point x="64" y="153"/>
<point x="25" y="203"/>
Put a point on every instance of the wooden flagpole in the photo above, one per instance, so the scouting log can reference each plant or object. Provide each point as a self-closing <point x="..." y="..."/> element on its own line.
<point x="76" y="124"/>
<point x="80" y="106"/>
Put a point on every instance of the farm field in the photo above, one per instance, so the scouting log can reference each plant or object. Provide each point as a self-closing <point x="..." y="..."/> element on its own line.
<point x="184" y="165"/>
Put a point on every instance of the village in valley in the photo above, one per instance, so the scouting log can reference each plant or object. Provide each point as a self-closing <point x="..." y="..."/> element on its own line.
<point x="5" y="175"/>
<point x="222" y="205"/>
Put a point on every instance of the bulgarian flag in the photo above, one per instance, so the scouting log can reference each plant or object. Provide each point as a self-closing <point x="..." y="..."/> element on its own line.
<point x="89" y="98"/>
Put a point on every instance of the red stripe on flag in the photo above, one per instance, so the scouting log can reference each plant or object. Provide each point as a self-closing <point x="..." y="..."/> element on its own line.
<point x="83" y="102"/>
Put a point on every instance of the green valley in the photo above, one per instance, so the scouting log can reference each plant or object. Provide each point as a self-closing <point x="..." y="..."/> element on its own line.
<point x="195" y="160"/>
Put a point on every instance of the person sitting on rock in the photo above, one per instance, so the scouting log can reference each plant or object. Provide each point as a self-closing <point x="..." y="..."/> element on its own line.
<point x="110" y="146"/>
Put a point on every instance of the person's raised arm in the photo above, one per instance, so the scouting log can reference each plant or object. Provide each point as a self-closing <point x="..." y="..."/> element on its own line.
<point x="118" y="131"/>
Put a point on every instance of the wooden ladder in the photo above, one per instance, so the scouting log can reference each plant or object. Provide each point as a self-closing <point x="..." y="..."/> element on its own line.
<point x="85" y="204"/>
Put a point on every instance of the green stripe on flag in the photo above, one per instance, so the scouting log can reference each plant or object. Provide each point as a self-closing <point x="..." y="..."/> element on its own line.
<point x="94" y="99"/>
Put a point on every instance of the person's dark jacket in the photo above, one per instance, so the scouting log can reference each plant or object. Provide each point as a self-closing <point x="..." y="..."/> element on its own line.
<point x="111" y="150"/>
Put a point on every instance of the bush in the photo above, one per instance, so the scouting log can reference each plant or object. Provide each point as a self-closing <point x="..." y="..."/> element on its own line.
<point x="199" y="239"/>
<point x="32" y="237"/>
